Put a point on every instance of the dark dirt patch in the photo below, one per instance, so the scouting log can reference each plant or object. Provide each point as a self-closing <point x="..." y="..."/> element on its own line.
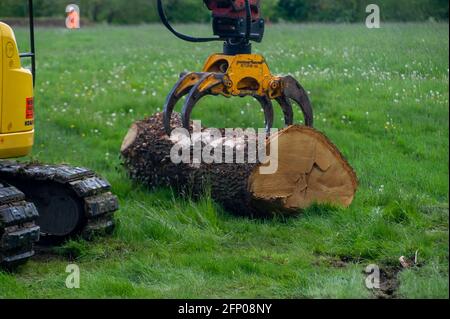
<point x="389" y="283"/>
<point x="389" y="273"/>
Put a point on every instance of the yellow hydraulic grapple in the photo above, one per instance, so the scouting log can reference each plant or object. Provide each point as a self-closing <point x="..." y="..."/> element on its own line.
<point x="236" y="71"/>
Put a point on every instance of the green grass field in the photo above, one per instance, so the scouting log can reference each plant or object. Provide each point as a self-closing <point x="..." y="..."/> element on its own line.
<point x="380" y="95"/>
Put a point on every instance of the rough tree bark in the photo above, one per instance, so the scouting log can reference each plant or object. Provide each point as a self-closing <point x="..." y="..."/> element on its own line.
<point x="310" y="170"/>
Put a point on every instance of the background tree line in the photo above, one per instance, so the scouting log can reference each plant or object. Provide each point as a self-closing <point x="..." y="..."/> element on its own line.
<point x="144" y="11"/>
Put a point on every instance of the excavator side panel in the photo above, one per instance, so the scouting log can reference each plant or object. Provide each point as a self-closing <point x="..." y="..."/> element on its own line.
<point x="16" y="99"/>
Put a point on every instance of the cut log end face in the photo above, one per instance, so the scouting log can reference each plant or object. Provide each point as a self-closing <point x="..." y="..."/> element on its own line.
<point x="310" y="170"/>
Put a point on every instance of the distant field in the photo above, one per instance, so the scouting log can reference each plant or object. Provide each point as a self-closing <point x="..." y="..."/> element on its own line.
<point x="380" y="95"/>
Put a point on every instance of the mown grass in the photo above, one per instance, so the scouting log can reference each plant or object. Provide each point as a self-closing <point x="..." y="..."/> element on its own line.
<point x="380" y="95"/>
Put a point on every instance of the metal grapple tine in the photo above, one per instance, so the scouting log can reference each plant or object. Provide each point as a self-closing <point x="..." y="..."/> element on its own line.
<point x="294" y="91"/>
<point x="267" y="106"/>
<point x="180" y="89"/>
<point x="286" y="106"/>
<point x="199" y="90"/>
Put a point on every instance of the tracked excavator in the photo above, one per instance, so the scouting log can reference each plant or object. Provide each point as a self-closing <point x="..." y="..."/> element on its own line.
<point x="39" y="202"/>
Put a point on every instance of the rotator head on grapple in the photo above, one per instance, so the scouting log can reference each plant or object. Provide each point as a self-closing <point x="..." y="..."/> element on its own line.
<point x="235" y="72"/>
<point x="236" y="22"/>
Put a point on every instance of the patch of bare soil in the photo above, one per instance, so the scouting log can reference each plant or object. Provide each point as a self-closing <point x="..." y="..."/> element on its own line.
<point x="389" y="283"/>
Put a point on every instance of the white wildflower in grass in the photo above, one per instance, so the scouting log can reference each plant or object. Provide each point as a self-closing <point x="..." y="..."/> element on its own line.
<point x="389" y="125"/>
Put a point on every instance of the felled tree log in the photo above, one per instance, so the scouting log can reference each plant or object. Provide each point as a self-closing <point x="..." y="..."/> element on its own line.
<point x="310" y="170"/>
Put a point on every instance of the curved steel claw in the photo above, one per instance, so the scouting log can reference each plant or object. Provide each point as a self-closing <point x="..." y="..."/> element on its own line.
<point x="180" y="89"/>
<point x="294" y="91"/>
<point x="199" y="90"/>
<point x="267" y="106"/>
<point x="286" y="106"/>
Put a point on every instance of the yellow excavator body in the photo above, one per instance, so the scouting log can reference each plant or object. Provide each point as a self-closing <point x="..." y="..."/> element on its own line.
<point x="16" y="99"/>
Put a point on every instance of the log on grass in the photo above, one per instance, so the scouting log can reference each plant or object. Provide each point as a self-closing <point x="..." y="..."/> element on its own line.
<point x="310" y="170"/>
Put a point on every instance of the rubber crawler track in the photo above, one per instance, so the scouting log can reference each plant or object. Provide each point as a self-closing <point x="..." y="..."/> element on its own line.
<point x="18" y="231"/>
<point x="90" y="190"/>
